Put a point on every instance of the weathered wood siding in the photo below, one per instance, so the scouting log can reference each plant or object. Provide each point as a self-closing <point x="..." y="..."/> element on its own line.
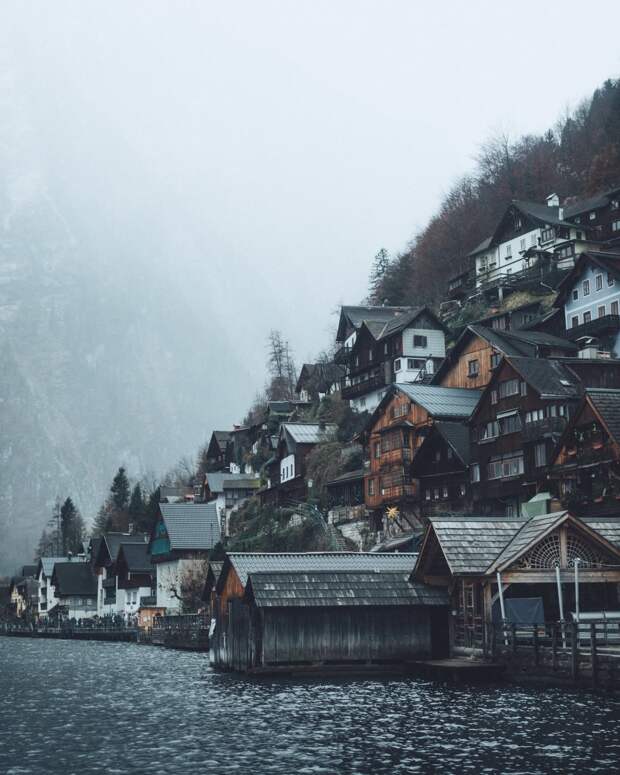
<point x="355" y="634"/>
<point x="458" y="374"/>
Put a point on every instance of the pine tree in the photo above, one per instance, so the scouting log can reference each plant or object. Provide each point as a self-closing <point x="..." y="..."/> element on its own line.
<point x="71" y="528"/>
<point x="119" y="490"/>
<point x="380" y="266"/>
<point x="48" y="544"/>
<point x="136" y="508"/>
<point x="103" y="521"/>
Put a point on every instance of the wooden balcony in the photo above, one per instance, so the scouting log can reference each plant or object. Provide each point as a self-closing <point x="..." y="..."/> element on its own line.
<point x="362" y="388"/>
<point x="391" y="496"/>
<point x="595" y="327"/>
<point x="342" y="354"/>
<point x="550" y="426"/>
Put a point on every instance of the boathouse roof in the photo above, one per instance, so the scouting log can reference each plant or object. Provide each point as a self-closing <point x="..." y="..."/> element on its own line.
<point x="257" y="562"/>
<point x="339" y="589"/>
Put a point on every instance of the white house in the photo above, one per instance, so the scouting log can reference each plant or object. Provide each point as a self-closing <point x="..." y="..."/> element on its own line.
<point x="75" y="588"/>
<point x="45" y="570"/>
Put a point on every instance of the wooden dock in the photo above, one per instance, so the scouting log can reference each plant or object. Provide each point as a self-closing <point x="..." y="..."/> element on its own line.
<point x="112" y="636"/>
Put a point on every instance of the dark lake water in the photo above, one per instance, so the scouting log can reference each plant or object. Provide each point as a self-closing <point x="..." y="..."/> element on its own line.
<point x="84" y="707"/>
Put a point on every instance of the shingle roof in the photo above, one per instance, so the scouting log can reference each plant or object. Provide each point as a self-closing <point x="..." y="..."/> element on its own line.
<point x="191" y="525"/>
<point x="340" y="589"/>
<point x="356" y="315"/>
<point x="47" y="563"/>
<point x="549" y="378"/>
<point x="457" y="436"/>
<point x="216" y="480"/>
<point x="246" y="563"/>
<point x="542" y="212"/>
<point x="350" y="476"/>
<point x="114" y="540"/>
<point x="442" y="401"/>
<point x="607" y="404"/>
<point x="74" y="578"/>
<point x="591" y="203"/>
<point x="222" y="437"/>
<point x="609" y="261"/>
<point x="310" y="433"/>
<point x="137" y="557"/>
<point x="608" y="527"/>
<point x="532" y="530"/>
<point x="482" y="246"/>
<point x="471" y="544"/>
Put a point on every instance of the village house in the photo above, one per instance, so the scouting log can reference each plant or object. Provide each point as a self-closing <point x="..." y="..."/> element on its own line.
<point x="441" y="466"/>
<point x="286" y="471"/>
<point x="479" y="350"/>
<point x="585" y="469"/>
<point x="287" y="610"/>
<point x="45" y="570"/>
<point x="317" y="380"/>
<point x="220" y="451"/>
<point x="134" y="578"/>
<point x="75" y="588"/>
<point x="179" y="546"/>
<point x="24" y="595"/>
<point x="589" y="297"/>
<point x="208" y="593"/>
<point x="471" y="556"/>
<point x="103" y="556"/>
<point x="228" y="492"/>
<point x="599" y="214"/>
<point x="385" y="345"/>
<point x="392" y="437"/>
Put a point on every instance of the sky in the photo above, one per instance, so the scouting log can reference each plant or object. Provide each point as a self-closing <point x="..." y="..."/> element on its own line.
<point x="279" y="145"/>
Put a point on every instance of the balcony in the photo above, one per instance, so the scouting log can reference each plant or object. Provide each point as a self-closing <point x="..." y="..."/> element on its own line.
<point x="342" y="354"/>
<point x="362" y="388"/>
<point x="550" y="426"/>
<point x="595" y="327"/>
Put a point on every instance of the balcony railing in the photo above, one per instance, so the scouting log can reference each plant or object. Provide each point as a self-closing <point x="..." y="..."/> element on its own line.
<point x="362" y="388"/>
<point x="542" y="428"/>
<point x="595" y="327"/>
<point x="342" y="354"/>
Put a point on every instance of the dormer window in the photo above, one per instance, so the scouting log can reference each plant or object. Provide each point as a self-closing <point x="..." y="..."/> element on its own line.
<point x="592" y="215"/>
<point x="518" y="223"/>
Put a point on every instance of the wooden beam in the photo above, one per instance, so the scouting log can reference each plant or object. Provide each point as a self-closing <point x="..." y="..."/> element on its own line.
<point x="586" y="576"/>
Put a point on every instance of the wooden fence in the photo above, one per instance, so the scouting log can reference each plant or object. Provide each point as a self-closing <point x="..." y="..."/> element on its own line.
<point x="584" y="653"/>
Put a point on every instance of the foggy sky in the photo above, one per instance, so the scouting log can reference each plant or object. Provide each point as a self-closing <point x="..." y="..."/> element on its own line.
<point x="281" y="144"/>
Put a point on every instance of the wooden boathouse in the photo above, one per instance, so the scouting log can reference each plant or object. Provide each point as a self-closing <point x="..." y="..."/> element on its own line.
<point x="321" y="611"/>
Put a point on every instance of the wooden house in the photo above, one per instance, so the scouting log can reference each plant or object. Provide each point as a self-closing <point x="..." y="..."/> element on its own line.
<point x="599" y="214"/>
<point x="179" y="546"/>
<point x="288" y="610"/>
<point x="464" y="555"/>
<point x="317" y="380"/>
<point x="220" y="451"/>
<point x="208" y="594"/>
<point x="393" y="435"/>
<point x="479" y="349"/>
<point x="287" y="469"/>
<point x="228" y="492"/>
<point x="24" y="596"/>
<point x="103" y="556"/>
<point x="586" y="465"/>
<point x="441" y="466"/>
<point x="391" y="347"/>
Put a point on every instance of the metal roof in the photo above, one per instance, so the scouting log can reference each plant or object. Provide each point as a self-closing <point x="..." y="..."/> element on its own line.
<point x="310" y="589"/>
<point x="246" y="563"/>
<point x="113" y="542"/>
<point x="216" y="480"/>
<point x="310" y="433"/>
<point x="442" y="401"/>
<point x="74" y="578"/>
<point x="191" y="525"/>
<point x="137" y="557"/>
<point x="548" y="377"/>
<point x="47" y="563"/>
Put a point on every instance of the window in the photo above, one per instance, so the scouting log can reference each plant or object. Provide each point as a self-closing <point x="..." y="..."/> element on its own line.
<point x="533" y="240"/>
<point x="370" y="354"/>
<point x="522" y="243"/>
<point x="601" y="311"/>
<point x="615" y="204"/>
<point x="474" y="472"/>
<point x="536" y="415"/>
<point x="614" y="308"/>
<point x="436" y="493"/>
<point x="450" y="453"/>
<point x="566" y="252"/>
<point x="599" y="282"/>
<point x="524" y="388"/>
<point x="489" y="431"/>
<point x="495" y="359"/>
<point x="592" y="215"/>
<point x="494" y="396"/>
<point x="547" y="235"/>
<point x="586" y="287"/>
<point x="540" y="455"/>
<point x="444" y="491"/>
<point x="615" y="225"/>
<point x="462" y="490"/>
<point x="578" y="219"/>
<point x="509" y="388"/>
<point x="587" y="317"/>
<point x="610" y="279"/>
<point x="512" y="509"/>
<point x="473" y="368"/>
<point x="427" y="495"/>
<point x="420" y="341"/>
<point x="510" y="424"/>
<point x="438" y="456"/>
<point x="371" y="486"/>
<point x="415" y="363"/>
<point x="575" y="295"/>
<point x="385" y="348"/>
<point x="508" y="250"/>
<point x="504" y="467"/>
<point x="575" y="321"/>
<point x="377" y="448"/>
<point x="397" y="364"/>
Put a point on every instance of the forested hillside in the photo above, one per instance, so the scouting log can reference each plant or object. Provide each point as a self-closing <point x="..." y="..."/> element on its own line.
<point x="578" y="157"/>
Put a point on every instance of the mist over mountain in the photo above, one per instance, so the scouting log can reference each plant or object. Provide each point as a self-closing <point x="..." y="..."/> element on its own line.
<point x="109" y="355"/>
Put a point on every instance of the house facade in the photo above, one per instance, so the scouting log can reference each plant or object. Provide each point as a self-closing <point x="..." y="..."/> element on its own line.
<point x="45" y="569"/>
<point x="75" y="586"/>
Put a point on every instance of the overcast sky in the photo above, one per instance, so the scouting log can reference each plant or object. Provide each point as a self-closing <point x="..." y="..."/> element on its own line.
<point x="284" y="143"/>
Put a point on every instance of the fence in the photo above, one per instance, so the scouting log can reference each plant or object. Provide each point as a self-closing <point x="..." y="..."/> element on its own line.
<point x="183" y="631"/>
<point x="584" y="652"/>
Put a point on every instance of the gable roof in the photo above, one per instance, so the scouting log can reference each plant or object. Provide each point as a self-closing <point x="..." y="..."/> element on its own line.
<point x="608" y="261"/>
<point x="246" y="563"/>
<point x="323" y="375"/>
<point x="595" y="202"/>
<point x="550" y="378"/>
<point x="217" y="481"/>
<point x="354" y="316"/>
<point x="191" y="525"/>
<point x="47" y="564"/>
<point x="113" y="541"/>
<point x="442" y="401"/>
<point x="457" y="436"/>
<point x="311" y="589"/>
<point x="136" y="557"/>
<point x="74" y="578"/>
<point x="309" y="433"/>
<point x="606" y="402"/>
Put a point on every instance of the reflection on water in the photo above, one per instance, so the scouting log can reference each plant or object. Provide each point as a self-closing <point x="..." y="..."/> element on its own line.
<point x="84" y="707"/>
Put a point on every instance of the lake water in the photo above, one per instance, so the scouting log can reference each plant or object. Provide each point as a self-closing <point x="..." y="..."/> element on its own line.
<point x="85" y="707"/>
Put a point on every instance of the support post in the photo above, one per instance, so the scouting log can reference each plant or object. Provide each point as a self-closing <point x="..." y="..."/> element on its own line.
<point x="574" y="650"/>
<point x="535" y="644"/>
<point x="502" y="607"/>
<point x="561" y="603"/>
<point x="513" y="631"/>
<point x="593" y="654"/>
<point x="554" y="645"/>
<point x="577" y="561"/>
